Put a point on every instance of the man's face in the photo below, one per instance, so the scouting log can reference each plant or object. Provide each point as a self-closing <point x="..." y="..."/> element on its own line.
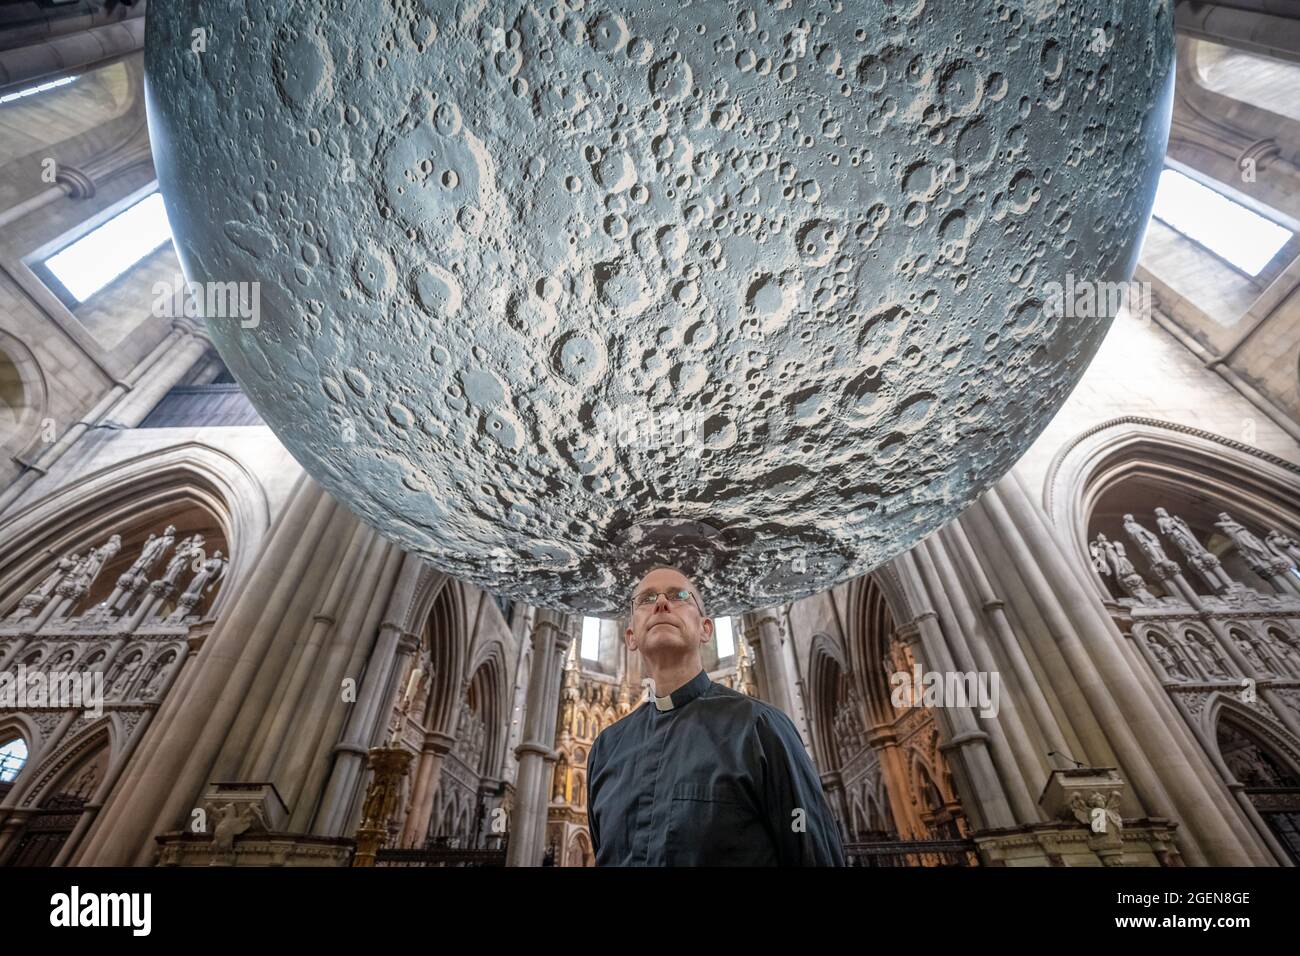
<point x="664" y="628"/>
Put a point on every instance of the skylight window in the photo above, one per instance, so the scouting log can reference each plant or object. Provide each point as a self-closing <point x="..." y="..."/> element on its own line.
<point x="726" y="640"/>
<point x="590" y="646"/>
<point x="1227" y="228"/>
<point x="12" y="757"/>
<point x="32" y="90"/>
<point x="101" y="255"/>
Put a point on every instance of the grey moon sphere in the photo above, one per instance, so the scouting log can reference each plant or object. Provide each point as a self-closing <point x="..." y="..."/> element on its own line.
<point x="549" y="294"/>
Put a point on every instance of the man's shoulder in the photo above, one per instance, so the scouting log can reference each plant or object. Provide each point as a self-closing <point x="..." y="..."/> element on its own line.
<point x="755" y="711"/>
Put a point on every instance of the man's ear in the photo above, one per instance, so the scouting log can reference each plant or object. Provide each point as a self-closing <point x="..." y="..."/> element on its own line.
<point x="627" y="638"/>
<point x="707" y="630"/>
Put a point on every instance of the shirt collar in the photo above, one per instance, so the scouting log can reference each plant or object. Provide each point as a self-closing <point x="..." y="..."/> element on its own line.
<point x="693" y="688"/>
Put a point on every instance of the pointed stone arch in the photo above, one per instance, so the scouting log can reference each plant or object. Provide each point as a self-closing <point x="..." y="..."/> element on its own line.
<point x="1257" y="487"/>
<point x="138" y="490"/>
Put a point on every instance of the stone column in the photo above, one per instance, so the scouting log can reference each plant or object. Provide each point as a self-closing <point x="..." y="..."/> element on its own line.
<point x="967" y="744"/>
<point x="392" y="650"/>
<point x="1009" y="745"/>
<point x="536" y="753"/>
<point x="764" y="636"/>
<point x="436" y="746"/>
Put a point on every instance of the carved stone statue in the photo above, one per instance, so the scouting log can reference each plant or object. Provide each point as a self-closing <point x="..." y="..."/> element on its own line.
<point x="232" y="820"/>
<point x="153" y="549"/>
<point x="1208" y="656"/>
<point x="36" y="598"/>
<point x="1172" y="666"/>
<point x="1176" y="529"/>
<point x="123" y="679"/>
<point x="1256" y="554"/>
<point x="1151" y="548"/>
<point x="77" y="584"/>
<point x="136" y="576"/>
<point x="1109" y="557"/>
<point x="186" y="551"/>
<point x="1285" y="548"/>
<point x="1251" y="654"/>
<point x="207" y="577"/>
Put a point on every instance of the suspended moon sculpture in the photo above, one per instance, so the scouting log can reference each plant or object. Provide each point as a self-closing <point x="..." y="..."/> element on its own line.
<point x="549" y="295"/>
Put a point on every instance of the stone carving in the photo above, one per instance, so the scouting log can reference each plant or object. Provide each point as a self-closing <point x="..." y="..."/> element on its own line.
<point x="1109" y="557"/>
<point x="231" y="820"/>
<point x="1206" y="653"/>
<point x="35" y="599"/>
<point x="1174" y="669"/>
<point x="1255" y="553"/>
<point x="79" y="582"/>
<point x="135" y="577"/>
<point x="207" y="577"/>
<point x="1285" y="548"/>
<point x="1150" y="546"/>
<point x="1206" y="564"/>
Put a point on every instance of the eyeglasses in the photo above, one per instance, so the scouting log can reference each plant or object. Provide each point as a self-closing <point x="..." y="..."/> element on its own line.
<point x="674" y="596"/>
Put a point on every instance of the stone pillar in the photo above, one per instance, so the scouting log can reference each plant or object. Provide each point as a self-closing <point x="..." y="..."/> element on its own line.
<point x="436" y="746"/>
<point x="764" y="636"/>
<point x="1009" y="746"/>
<point x="392" y="650"/>
<point x="536" y="753"/>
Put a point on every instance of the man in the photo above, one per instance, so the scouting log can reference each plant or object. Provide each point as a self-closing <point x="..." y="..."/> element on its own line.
<point x="700" y="775"/>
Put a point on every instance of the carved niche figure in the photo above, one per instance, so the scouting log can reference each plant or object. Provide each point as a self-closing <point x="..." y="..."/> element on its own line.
<point x="1285" y="548"/>
<point x="123" y="678"/>
<point x="1173" y="667"/>
<point x="1206" y="563"/>
<point x="188" y="549"/>
<point x="1207" y="654"/>
<point x="135" y="576"/>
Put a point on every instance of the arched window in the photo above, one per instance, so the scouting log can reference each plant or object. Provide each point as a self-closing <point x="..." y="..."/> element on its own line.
<point x="13" y="756"/>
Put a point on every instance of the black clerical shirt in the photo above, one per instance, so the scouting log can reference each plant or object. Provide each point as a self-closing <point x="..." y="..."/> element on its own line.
<point x="707" y="776"/>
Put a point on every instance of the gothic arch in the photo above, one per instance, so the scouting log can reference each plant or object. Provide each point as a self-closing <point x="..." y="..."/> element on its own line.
<point x="1257" y="487"/>
<point x="54" y="767"/>
<point x="828" y="692"/>
<point x="88" y="510"/>
<point x="871" y="622"/>
<point x="24" y="398"/>
<point x="448" y="642"/>
<point x="1266" y="732"/>
<point x="491" y="679"/>
<point x="20" y="724"/>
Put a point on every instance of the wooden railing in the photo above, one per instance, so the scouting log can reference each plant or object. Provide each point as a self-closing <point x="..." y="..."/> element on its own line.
<point x="885" y="853"/>
<point x="439" y="856"/>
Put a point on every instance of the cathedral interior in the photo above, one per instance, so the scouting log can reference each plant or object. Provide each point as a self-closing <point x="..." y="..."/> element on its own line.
<point x="289" y="680"/>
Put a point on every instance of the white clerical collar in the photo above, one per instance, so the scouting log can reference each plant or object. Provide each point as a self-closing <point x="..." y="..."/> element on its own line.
<point x="682" y="695"/>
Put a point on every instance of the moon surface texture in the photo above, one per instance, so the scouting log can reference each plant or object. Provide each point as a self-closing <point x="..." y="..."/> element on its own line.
<point x="550" y="293"/>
